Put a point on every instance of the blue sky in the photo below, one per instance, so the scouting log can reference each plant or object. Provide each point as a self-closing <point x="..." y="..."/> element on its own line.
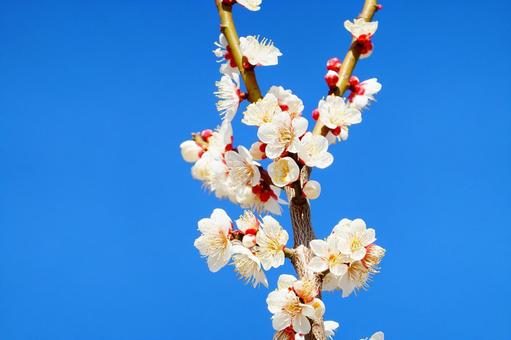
<point x="98" y="211"/>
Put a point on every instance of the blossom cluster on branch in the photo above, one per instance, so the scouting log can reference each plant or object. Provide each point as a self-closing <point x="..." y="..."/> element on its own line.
<point x="280" y="160"/>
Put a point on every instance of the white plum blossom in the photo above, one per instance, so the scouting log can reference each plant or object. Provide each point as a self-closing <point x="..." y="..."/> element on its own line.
<point x="282" y="134"/>
<point x="191" y="151"/>
<point x="228" y="66"/>
<point x="261" y="112"/>
<point x="312" y="150"/>
<point x="327" y="256"/>
<point x="271" y="240"/>
<point x="287" y="100"/>
<point x="311" y="189"/>
<point x="253" y="5"/>
<point x="215" y="243"/>
<point x="229" y="95"/>
<point x="353" y="238"/>
<point x="362" y="93"/>
<point x="261" y="198"/>
<point x="330" y="328"/>
<point x="376" y="336"/>
<point x="359" y="27"/>
<point x="259" y="53"/>
<point x="248" y="266"/>
<point x="248" y="223"/>
<point x="333" y="113"/>
<point x="243" y="170"/>
<point x="288" y="310"/>
<point x="283" y="171"/>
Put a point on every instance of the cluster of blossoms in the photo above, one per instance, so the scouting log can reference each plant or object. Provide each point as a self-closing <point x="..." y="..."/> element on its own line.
<point x="256" y="245"/>
<point x="348" y="256"/>
<point x="253" y="177"/>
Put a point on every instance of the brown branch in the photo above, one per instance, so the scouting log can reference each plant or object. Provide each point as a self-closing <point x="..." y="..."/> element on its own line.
<point x="229" y="30"/>
<point x="349" y="62"/>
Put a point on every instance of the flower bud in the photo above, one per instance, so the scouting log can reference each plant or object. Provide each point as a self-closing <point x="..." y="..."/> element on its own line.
<point x="331" y="78"/>
<point x="205" y="134"/>
<point x="333" y="64"/>
<point x="257" y="151"/>
<point x="190" y="151"/>
<point x="312" y="189"/>
<point x="249" y="241"/>
<point x="315" y="114"/>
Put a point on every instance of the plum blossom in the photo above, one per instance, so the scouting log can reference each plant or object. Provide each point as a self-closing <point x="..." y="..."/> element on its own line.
<point x="229" y="95"/>
<point x="330" y="328"/>
<point x="376" y="336"/>
<point x="312" y="150"/>
<point x="333" y="113"/>
<point x="261" y="112"/>
<point x="362" y="93"/>
<point x="288" y="310"/>
<point x="242" y="169"/>
<point x="311" y="189"/>
<point x="248" y="224"/>
<point x="215" y="243"/>
<point x="327" y="256"/>
<point x="191" y="151"/>
<point x="287" y="100"/>
<point x="353" y="238"/>
<point x="248" y="266"/>
<point x="252" y="5"/>
<point x="282" y="134"/>
<point x="259" y="53"/>
<point x="271" y="241"/>
<point x="223" y="52"/>
<point x="362" y="31"/>
<point x="283" y="171"/>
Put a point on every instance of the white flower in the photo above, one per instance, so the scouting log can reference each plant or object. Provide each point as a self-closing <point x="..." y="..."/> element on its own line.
<point x="260" y="198"/>
<point x="221" y="138"/>
<point x="242" y="168"/>
<point x="214" y="243"/>
<point x="288" y="311"/>
<point x="257" y="150"/>
<point x="271" y="241"/>
<point x="248" y="223"/>
<point x="283" y="171"/>
<point x="259" y="53"/>
<point x="261" y="112"/>
<point x="360" y="27"/>
<point x="228" y="95"/>
<point x="328" y="257"/>
<point x="253" y="5"/>
<point x="355" y="278"/>
<point x="207" y="167"/>
<point x="330" y="328"/>
<point x="190" y="151"/>
<point x="287" y="100"/>
<point x="334" y="112"/>
<point x="377" y="336"/>
<point x="312" y="149"/>
<point x="282" y="134"/>
<point x="223" y="52"/>
<point x="362" y="93"/>
<point x="353" y="238"/>
<point x="312" y="189"/>
<point x="248" y="266"/>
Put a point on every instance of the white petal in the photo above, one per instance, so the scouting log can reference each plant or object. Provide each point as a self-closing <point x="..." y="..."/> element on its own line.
<point x="319" y="247"/>
<point x="301" y="324"/>
<point x="281" y="321"/>
<point x="318" y="264"/>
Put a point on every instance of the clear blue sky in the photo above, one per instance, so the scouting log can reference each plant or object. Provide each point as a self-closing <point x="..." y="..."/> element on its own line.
<point x="98" y="211"/>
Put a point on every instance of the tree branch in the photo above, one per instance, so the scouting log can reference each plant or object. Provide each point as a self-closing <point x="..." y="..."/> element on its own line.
<point x="229" y="30"/>
<point x="349" y="62"/>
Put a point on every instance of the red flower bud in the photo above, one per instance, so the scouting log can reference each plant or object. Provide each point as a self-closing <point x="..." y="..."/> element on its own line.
<point x="315" y="114"/>
<point x="331" y="78"/>
<point x="333" y="64"/>
<point x="205" y="134"/>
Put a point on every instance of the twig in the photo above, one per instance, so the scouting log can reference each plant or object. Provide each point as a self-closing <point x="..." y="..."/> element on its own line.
<point x="229" y="30"/>
<point x="349" y="62"/>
